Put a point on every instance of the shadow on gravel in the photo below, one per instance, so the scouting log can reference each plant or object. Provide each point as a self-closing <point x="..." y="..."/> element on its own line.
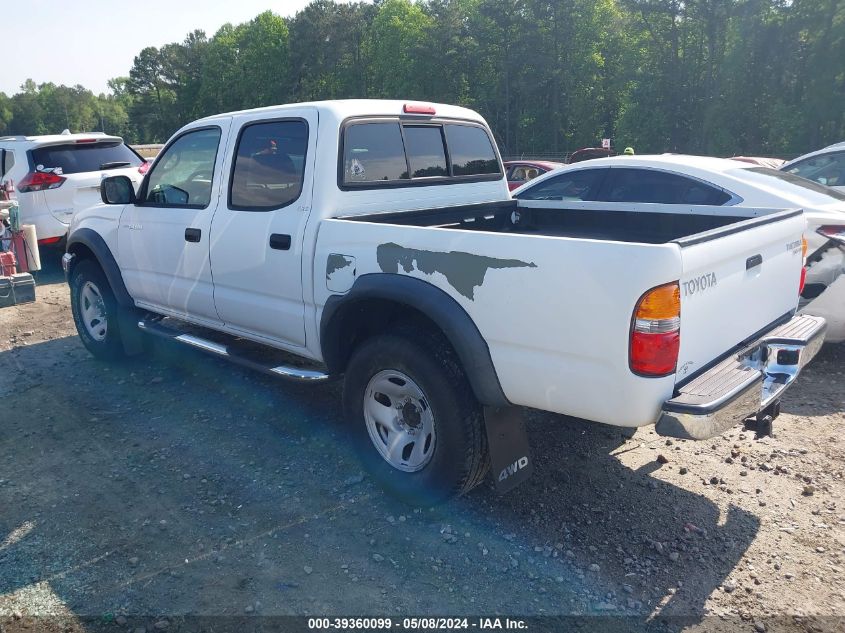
<point x="641" y="546"/>
<point x="51" y="267"/>
<point x="825" y="374"/>
<point x="179" y="485"/>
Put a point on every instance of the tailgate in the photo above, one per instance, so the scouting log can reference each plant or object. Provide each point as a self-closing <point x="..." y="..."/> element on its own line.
<point x="736" y="281"/>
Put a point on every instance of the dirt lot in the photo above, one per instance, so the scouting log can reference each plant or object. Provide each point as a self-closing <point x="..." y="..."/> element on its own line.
<point x="144" y="494"/>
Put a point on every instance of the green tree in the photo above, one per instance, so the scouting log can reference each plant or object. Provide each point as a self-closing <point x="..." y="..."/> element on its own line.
<point x="395" y="47"/>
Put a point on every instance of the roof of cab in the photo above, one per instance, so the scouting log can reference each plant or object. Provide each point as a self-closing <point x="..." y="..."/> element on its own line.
<point x="340" y="109"/>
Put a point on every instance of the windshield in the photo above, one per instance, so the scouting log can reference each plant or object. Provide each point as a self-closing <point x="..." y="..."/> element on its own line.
<point x="809" y="190"/>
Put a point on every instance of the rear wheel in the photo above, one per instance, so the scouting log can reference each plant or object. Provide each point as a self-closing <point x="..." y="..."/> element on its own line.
<point x="415" y="422"/>
<point x="95" y="311"/>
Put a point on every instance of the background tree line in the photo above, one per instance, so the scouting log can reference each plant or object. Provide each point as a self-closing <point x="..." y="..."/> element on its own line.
<point x="701" y="76"/>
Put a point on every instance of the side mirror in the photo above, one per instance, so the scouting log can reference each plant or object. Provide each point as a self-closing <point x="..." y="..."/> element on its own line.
<point x="117" y="190"/>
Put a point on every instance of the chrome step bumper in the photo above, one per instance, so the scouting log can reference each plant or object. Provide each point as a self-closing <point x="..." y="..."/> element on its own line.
<point x="744" y="384"/>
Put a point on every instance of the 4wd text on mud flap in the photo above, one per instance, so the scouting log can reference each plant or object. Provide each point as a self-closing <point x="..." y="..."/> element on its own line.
<point x="699" y="284"/>
<point x="512" y="469"/>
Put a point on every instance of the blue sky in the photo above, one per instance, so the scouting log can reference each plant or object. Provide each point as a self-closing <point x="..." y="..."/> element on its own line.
<point x="90" y="41"/>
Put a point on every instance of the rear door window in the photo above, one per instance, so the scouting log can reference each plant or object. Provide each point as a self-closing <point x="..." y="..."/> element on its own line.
<point x="578" y="184"/>
<point x="658" y="187"/>
<point x="269" y="165"/>
<point x="471" y="151"/>
<point x="426" y="153"/>
<point x="77" y="158"/>
<point x="373" y="152"/>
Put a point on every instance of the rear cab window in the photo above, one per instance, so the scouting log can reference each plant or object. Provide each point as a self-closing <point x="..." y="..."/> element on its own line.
<point x="405" y="153"/>
<point x="471" y="151"/>
<point x="77" y="158"/>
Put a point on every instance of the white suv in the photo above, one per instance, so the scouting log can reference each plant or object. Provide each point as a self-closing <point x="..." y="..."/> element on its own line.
<point x="55" y="176"/>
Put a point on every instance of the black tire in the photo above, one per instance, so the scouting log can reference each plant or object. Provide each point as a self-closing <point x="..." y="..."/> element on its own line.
<point x="460" y="458"/>
<point x="110" y="347"/>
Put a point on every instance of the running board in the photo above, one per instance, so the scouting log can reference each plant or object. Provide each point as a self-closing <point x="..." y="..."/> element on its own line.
<point x="230" y="352"/>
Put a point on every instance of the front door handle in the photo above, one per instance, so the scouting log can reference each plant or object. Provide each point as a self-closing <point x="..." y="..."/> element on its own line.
<point x="193" y="235"/>
<point x="280" y="242"/>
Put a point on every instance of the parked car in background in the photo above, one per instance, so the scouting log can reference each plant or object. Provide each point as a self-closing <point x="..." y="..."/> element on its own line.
<point x="589" y="153"/>
<point x="761" y="161"/>
<point x="825" y="166"/>
<point x="519" y="172"/>
<point x="691" y="181"/>
<point x="59" y="174"/>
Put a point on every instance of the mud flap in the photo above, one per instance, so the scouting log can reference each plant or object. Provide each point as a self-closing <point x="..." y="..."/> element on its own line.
<point x="130" y="335"/>
<point x="507" y="440"/>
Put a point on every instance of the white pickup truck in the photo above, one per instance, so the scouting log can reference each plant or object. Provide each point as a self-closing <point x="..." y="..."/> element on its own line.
<point x="377" y="241"/>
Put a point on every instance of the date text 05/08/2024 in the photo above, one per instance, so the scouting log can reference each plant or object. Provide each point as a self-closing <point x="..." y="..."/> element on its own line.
<point x="416" y="624"/>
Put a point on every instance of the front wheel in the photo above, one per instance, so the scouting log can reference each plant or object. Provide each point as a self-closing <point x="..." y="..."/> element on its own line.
<point x="95" y="311"/>
<point x="415" y="422"/>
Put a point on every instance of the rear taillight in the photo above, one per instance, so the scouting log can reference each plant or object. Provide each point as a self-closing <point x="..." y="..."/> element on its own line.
<point x="144" y="168"/>
<point x="656" y="332"/>
<point x="835" y="233"/>
<point x="803" y="279"/>
<point x="40" y="181"/>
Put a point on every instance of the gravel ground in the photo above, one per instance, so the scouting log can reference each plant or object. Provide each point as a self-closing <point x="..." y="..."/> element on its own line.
<point x="147" y="493"/>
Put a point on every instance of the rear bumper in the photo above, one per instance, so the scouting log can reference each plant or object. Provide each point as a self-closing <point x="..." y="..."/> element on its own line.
<point x="46" y="226"/>
<point x="744" y="384"/>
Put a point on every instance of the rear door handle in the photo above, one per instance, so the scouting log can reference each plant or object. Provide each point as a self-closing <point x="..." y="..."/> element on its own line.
<point x="193" y="235"/>
<point x="280" y="242"/>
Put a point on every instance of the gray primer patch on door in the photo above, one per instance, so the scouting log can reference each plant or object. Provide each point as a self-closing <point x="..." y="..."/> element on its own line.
<point x="464" y="271"/>
<point x="340" y="272"/>
<point x="335" y="262"/>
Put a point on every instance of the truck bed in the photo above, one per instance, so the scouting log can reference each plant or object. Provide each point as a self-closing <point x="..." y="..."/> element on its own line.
<point x="561" y="221"/>
<point x="552" y="287"/>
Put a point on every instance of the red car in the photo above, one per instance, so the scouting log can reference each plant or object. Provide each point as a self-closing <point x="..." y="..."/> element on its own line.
<point x="521" y="171"/>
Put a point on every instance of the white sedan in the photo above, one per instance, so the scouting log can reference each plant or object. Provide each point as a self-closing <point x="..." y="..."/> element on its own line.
<point x="646" y="181"/>
<point x="825" y="166"/>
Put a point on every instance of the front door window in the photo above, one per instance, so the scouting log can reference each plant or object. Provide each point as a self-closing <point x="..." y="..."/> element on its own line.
<point x="182" y="176"/>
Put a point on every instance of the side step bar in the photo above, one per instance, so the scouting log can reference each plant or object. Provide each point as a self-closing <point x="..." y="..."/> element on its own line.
<point x="230" y="352"/>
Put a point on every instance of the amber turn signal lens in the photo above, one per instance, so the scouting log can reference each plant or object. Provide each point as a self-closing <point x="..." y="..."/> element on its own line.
<point x="663" y="302"/>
